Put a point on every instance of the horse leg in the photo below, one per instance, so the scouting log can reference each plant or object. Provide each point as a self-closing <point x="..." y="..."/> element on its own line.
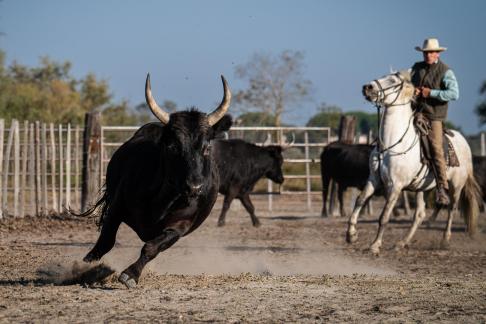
<point x="384" y="218"/>
<point x="228" y="198"/>
<point x="453" y="210"/>
<point x="418" y="217"/>
<point x="106" y="240"/>
<point x="129" y="277"/>
<point x="245" y="200"/>
<point x="352" y="233"/>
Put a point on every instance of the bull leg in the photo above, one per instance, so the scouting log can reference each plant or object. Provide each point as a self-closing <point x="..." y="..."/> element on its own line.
<point x="352" y="233"/>
<point x="226" y="205"/>
<point x="341" y="196"/>
<point x="418" y="217"/>
<point x="129" y="277"/>
<point x="384" y="219"/>
<point x="106" y="240"/>
<point x="325" y="188"/>
<point x="245" y="200"/>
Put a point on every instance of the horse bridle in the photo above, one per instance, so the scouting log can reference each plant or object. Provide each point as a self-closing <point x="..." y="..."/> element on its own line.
<point x="381" y="91"/>
<point x="379" y="104"/>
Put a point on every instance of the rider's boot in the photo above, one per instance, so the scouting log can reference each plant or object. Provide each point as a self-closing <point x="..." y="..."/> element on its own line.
<point x="442" y="197"/>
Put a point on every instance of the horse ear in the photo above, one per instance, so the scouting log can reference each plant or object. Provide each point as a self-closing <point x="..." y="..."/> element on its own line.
<point x="392" y="71"/>
<point x="406" y="74"/>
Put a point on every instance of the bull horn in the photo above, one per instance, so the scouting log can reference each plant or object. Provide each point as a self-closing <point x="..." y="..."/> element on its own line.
<point x="284" y="144"/>
<point x="268" y="140"/>
<point x="219" y="112"/>
<point x="156" y="110"/>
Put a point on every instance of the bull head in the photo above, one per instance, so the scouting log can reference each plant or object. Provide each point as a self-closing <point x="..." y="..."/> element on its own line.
<point x="163" y="116"/>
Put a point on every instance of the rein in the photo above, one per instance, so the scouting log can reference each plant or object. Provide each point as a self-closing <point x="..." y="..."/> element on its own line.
<point x="379" y="104"/>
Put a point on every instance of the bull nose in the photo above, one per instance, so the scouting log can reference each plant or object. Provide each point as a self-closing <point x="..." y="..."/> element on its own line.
<point x="194" y="189"/>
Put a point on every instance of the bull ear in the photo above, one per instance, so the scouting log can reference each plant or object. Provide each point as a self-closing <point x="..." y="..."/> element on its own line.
<point x="223" y="125"/>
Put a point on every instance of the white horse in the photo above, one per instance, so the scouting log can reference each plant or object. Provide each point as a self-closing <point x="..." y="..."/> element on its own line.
<point x="396" y="163"/>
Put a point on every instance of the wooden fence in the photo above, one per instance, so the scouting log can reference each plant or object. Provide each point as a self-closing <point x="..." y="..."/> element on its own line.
<point x="47" y="168"/>
<point x="40" y="168"/>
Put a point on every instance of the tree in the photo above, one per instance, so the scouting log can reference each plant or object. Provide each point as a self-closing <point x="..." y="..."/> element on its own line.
<point x="481" y="107"/>
<point x="275" y="83"/>
<point x="255" y="119"/>
<point x="49" y="93"/>
<point x="327" y="116"/>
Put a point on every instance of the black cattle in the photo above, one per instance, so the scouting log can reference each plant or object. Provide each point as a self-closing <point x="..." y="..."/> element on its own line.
<point x="162" y="182"/>
<point x="347" y="165"/>
<point x="479" y="166"/>
<point x="241" y="165"/>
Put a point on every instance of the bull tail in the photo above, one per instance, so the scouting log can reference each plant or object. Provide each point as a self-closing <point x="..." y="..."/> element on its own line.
<point x="471" y="196"/>
<point x="102" y="203"/>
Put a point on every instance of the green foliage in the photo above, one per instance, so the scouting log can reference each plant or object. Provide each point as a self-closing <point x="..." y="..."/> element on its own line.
<point x="255" y="119"/>
<point x="481" y="107"/>
<point x="49" y="93"/>
<point x="448" y="124"/>
<point x="330" y="116"/>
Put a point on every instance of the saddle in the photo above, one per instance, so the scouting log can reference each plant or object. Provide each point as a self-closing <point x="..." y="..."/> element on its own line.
<point x="422" y="125"/>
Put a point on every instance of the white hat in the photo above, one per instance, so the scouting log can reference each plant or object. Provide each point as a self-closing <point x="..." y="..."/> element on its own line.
<point x="431" y="45"/>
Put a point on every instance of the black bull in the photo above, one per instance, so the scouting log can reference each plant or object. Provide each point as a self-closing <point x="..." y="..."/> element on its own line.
<point x="162" y="182"/>
<point x="240" y="166"/>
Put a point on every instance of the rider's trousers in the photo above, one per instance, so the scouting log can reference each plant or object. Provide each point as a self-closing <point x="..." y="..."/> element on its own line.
<point x="437" y="151"/>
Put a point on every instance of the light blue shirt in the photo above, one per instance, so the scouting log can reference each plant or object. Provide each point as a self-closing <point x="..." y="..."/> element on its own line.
<point x="451" y="91"/>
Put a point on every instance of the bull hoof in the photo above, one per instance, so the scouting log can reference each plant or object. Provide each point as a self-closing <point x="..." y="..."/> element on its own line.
<point x="91" y="257"/>
<point x="257" y="223"/>
<point x="221" y="223"/>
<point x="351" y="238"/>
<point x="130" y="283"/>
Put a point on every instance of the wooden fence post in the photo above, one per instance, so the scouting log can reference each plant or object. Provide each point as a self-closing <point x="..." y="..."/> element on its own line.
<point x="43" y="156"/>
<point x="23" y="185"/>
<point x="16" y="175"/>
<point x="38" y="187"/>
<point x="91" y="160"/>
<point x="68" y="166"/>
<point x="52" y="137"/>
<point x="2" y="125"/>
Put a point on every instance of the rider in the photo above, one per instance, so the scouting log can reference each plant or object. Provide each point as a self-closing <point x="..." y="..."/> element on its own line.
<point x="435" y="85"/>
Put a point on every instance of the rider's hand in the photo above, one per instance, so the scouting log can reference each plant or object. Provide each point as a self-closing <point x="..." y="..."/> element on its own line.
<point x="425" y="92"/>
<point x="417" y="92"/>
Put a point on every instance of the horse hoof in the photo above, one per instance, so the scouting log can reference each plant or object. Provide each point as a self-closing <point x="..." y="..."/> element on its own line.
<point x="400" y="246"/>
<point x="445" y="245"/>
<point x="220" y="223"/>
<point x="375" y="250"/>
<point x="351" y="238"/>
<point x="257" y="224"/>
<point x="130" y="283"/>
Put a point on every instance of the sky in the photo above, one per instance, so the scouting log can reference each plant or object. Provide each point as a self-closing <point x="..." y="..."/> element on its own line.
<point x="187" y="45"/>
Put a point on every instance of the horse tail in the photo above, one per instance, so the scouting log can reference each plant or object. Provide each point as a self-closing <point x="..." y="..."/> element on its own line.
<point x="471" y="196"/>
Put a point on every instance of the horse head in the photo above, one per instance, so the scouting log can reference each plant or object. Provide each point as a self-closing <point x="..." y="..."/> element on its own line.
<point x="391" y="90"/>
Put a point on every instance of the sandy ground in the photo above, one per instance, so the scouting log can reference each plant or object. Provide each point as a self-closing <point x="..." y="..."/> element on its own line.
<point x="295" y="268"/>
